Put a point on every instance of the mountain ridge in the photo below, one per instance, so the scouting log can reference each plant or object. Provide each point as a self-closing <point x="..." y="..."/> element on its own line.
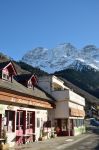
<point x="68" y="63"/>
<point x="63" y="56"/>
<point x="80" y="67"/>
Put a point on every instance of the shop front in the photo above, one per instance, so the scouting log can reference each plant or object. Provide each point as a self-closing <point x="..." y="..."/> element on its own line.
<point x="25" y="126"/>
<point x="64" y="127"/>
<point x="19" y="115"/>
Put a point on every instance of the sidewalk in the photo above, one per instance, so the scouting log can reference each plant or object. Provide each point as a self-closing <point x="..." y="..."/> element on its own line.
<point x="58" y="143"/>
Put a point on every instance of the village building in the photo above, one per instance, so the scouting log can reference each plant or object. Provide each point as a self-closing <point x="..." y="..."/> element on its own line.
<point x="91" y="102"/>
<point x="68" y="115"/>
<point x="23" y="106"/>
<point x="31" y="106"/>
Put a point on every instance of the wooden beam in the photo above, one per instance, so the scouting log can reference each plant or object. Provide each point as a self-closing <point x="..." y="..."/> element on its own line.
<point x="9" y="97"/>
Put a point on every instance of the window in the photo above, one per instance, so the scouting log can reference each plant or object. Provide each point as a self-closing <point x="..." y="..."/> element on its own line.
<point x="74" y="122"/>
<point x="42" y="122"/>
<point x="78" y="122"/>
<point x="29" y="120"/>
<point x="38" y="122"/>
<point x="56" y="124"/>
<point x="47" y="124"/>
<point x="10" y="120"/>
<point x="5" y="76"/>
<point x="64" y="124"/>
<point x="19" y="120"/>
<point x="81" y="122"/>
<point x="30" y="84"/>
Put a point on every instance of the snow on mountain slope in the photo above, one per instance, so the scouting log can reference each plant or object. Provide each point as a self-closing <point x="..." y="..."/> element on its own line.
<point x="63" y="56"/>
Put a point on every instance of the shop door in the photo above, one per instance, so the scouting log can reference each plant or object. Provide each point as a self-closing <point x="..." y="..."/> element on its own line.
<point x="58" y="127"/>
<point x="20" y="126"/>
<point x="62" y="127"/>
<point x="20" y="122"/>
<point x="10" y="123"/>
<point x="30" y="126"/>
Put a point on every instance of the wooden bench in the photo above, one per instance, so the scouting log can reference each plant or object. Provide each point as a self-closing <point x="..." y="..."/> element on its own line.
<point x="26" y="136"/>
<point x="31" y="134"/>
<point x="2" y="140"/>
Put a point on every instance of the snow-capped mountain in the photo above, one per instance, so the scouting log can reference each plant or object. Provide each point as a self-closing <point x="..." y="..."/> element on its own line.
<point x="62" y="57"/>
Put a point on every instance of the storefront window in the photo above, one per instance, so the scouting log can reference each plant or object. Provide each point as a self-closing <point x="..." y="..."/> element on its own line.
<point x="78" y="122"/>
<point x="64" y="125"/>
<point x="55" y="122"/>
<point x="29" y="120"/>
<point x="19" y="120"/>
<point x="10" y="120"/>
<point x="38" y="122"/>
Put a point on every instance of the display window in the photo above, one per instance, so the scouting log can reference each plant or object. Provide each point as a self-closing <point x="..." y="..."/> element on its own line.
<point x="10" y="120"/>
<point x="19" y="120"/>
<point x="64" y="125"/>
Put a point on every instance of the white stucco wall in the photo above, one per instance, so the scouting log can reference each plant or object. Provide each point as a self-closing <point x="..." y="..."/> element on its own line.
<point x="62" y="109"/>
<point x="51" y="116"/>
<point x="76" y="98"/>
<point x="43" y="116"/>
<point x="79" y="130"/>
<point x="67" y="94"/>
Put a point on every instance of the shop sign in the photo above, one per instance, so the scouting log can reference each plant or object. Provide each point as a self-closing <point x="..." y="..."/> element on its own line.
<point x="10" y="107"/>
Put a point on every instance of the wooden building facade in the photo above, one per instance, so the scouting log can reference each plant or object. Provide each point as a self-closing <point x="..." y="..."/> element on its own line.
<point x="23" y="105"/>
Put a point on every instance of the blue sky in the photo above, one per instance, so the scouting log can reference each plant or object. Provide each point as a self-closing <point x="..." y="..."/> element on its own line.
<point x="26" y="24"/>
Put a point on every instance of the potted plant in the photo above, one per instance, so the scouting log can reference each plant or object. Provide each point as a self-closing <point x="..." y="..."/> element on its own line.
<point x="53" y="133"/>
<point x="4" y="145"/>
<point x="40" y="137"/>
<point x="44" y="135"/>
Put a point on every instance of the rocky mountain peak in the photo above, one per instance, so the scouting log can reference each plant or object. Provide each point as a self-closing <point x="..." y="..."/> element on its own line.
<point x="63" y="56"/>
<point x="89" y="48"/>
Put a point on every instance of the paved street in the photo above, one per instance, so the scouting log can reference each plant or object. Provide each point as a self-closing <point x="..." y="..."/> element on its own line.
<point x="89" y="141"/>
<point x="58" y="143"/>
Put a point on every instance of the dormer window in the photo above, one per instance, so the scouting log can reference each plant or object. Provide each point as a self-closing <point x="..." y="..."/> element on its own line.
<point x="30" y="85"/>
<point x="5" y="76"/>
<point x="8" y="71"/>
<point x="32" y="82"/>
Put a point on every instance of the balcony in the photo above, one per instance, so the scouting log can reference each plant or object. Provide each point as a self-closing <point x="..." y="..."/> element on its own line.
<point x="68" y="95"/>
<point x="61" y="95"/>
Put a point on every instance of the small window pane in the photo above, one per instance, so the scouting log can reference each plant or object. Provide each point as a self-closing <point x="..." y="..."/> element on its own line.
<point x="31" y="118"/>
<point x="21" y="118"/>
<point x="38" y="122"/>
